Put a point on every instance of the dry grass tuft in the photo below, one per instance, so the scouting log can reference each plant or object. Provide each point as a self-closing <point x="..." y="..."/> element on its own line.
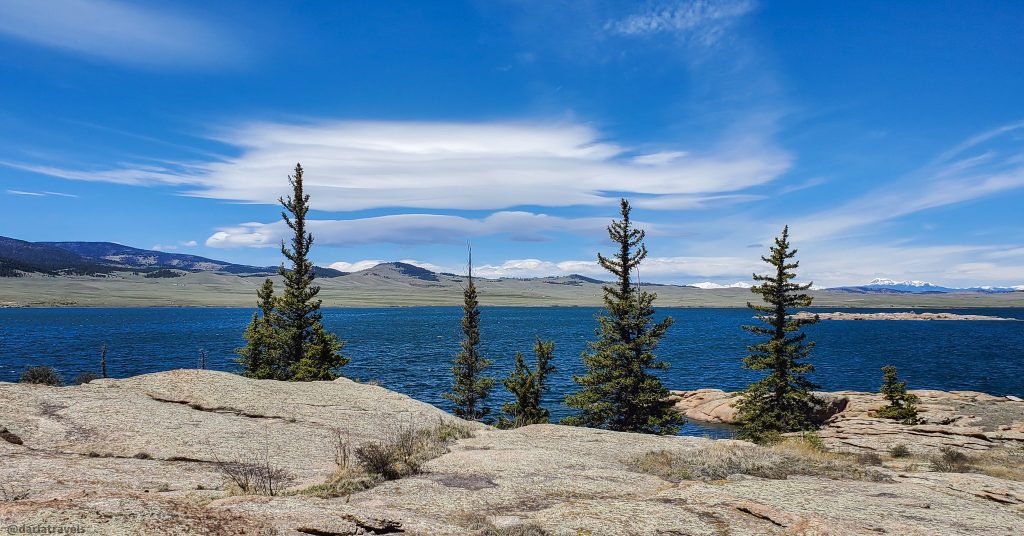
<point x="1005" y="462"/>
<point x="899" y="451"/>
<point x="951" y="460"/>
<point x="477" y="524"/>
<point x="787" y="458"/>
<point x="406" y="448"/>
<point x="255" y="474"/>
<point x="400" y="454"/>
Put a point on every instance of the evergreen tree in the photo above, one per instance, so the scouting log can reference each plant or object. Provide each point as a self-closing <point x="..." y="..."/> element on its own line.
<point x="306" y="349"/>
<point x="470" y="387"/>
<point x="902" y="405"/>
<point x="260" y="357"/>
<point x="781" y="401"/>
<point x="618" y="391"/>
<point x="103" y="361"/>
<point x="323" y="355"/>
<point x="528" y="387"/>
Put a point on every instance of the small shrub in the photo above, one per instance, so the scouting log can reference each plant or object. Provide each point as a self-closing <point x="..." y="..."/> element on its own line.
<point x="813" y="440"/>
<point x="899" y="451"/>
<point x="255" y="476"/>
<point x="381" y="459"/>
<point x="951" y="460"/>
<point x="142" y="456"/>
<point x="902" y="406"/>
<point x="86" y="377"/>
<point x="406" y="449"/>
<point x="42" y="376"/>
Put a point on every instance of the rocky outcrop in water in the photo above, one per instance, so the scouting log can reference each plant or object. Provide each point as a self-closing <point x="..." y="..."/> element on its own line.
<point x="898" y="316"/>
<point x="144" y="456"/>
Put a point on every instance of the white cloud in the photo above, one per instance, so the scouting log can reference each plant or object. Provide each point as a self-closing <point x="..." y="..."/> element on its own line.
<point x="700" y="21"/>
<point x="435" y="165"/>
<point x="691" y="202"/>
<point x="39" y="194"/>
<point x="416" y="229"/>
<point x="652" y="269"/>
<point x="118" y="31"/>
<point x="659" y="159"/>
<point x="189" y="243"/>
<point x="355" y="266"/>
<point x="163" y="247"/>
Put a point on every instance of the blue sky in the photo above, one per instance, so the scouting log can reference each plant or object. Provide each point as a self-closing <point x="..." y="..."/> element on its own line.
<point x="888" y="135"/>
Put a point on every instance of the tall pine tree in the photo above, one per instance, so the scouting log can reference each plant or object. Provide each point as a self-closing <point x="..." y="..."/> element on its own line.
<point x="528" y="387"/>
<point x="781" y="401"/>
<point x="470" y="385"/>
<point x="289" y="341"/>
<point x="618" y="391"/>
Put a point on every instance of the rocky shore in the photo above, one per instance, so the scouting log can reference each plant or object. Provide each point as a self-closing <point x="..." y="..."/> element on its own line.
<point x="898" y="316"/>
<point x="959" y="419"/>
<point x="151" y="455"/>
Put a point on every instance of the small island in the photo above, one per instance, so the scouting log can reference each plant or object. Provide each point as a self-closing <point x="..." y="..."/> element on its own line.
<point x="897" y="316"/>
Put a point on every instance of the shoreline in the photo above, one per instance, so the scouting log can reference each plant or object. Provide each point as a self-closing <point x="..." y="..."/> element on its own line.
<point x="897" y="309"/>
<point x="909" y="316"/>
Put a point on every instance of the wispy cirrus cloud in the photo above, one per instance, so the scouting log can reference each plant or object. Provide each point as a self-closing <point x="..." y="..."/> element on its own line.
<point x="700" y="21"/>
<point x="984" y="165"/>
<point x="39" y="194"/>
<point x="355" y="165"/>
<point x="122" y="32"/>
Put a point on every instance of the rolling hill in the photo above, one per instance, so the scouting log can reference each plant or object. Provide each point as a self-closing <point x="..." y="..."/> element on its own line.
<point x="19" y="257"/>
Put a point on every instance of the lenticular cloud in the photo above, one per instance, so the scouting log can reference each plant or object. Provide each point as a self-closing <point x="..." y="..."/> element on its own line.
<point x="433" y="165"/>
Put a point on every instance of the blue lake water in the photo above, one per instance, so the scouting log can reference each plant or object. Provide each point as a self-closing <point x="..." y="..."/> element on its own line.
<point x="410" y="349"/>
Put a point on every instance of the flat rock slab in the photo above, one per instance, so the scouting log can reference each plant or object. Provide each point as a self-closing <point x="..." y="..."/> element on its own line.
<point x="76" y="466"/>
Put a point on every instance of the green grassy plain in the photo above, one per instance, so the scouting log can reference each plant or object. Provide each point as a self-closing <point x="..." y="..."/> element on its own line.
<point x="206" y="289"/>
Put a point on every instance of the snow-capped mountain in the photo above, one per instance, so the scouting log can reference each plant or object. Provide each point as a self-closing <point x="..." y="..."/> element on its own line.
<point x="907" y="286"/>
<point x="708" y="285"/>
<point x="920" y="287"/>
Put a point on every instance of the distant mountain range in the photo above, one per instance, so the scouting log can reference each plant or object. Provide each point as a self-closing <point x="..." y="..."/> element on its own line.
<point x="97" y="258"/>
<point x="18" y="257"/>
<point x="889" y="286"/>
